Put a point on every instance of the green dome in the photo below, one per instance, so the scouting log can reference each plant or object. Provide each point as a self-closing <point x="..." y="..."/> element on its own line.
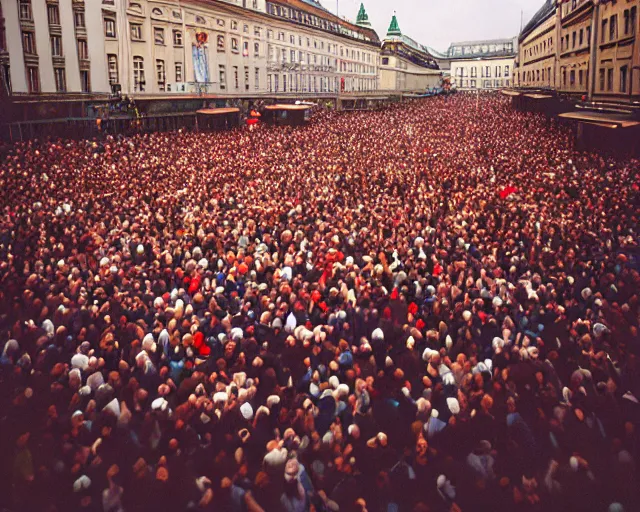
<point x="362" y="19"/>
<point x="394" y="28"/>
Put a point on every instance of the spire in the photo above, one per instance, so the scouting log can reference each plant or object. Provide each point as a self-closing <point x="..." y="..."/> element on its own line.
<point x="362" y="20"/>
<point x="394" y="29"/>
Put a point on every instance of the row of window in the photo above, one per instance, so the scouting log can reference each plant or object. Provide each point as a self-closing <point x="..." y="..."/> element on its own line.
<point x="577" y="39"/>
<point x="610" y="25"/>
<point x="25" y="13"/>
<point x="331" y="48"/>
<point x="537" y="75"/>
<point x="485" y="84"/>
<point x="607" y="76"/>
<point x="139" y="78"/>
<point x="485" y="72"/>
<point x="136" y="30"/>
<point x="458" y="51"/>
<point x="539" y="49"/>
<point x="59" y="73"/>
<point x="317" y="84"/>
<point x="314" y="21"/>
<point x="292" y="56"/>
<point x="159" y="39"/>
<point x="581" y="82"/>
<point x="29" y="45"/>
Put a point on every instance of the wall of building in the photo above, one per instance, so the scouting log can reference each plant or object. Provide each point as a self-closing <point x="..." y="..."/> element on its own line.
<point x="233" y="47"/>
<point x="537" y="56"/>
<point x="14" y="46"/>
<point x="578" y="36"/>
<point x="401" y="75"/>
<point x="475" y="74"/>
<point x="574" y="46"/>
<point x="618" y="51"/>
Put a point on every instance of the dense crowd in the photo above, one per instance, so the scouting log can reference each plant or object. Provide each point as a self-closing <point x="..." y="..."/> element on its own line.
<point x="433" y="307"/>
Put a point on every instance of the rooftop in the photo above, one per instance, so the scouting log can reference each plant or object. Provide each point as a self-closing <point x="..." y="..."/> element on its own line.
<point x="394" y="28"/>
<point x="482" y="41"/>
<point x="547" y="9"/>
<point x="482" y="48"/>
<point x="336" y="24"/>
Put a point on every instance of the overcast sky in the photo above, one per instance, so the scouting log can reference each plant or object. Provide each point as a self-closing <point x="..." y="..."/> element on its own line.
<point x="438" y="23"/>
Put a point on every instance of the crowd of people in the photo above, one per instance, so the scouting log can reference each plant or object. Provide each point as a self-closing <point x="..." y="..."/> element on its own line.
<point x="433" y="307"/>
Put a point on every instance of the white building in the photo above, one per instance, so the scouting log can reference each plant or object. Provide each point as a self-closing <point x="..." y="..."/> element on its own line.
<point x="482" y="64"/>
<point x="160" y="48"/>
<point x="406" y="66"/>
<point x="53" y="46"/>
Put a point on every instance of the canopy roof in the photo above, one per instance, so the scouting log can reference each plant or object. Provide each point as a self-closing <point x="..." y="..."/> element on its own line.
<point x="217" y="111"/>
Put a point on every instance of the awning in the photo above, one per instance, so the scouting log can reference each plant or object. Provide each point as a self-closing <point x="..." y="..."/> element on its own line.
<point x="510" y="93"/>
<point x="601" y="119"/>
<point x="538" y="96"/>
<point x="287" y="107"/>
<point x="217" y="111"/>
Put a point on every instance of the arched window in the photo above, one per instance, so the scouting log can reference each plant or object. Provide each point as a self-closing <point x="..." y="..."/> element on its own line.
<point x="135" y="7"/>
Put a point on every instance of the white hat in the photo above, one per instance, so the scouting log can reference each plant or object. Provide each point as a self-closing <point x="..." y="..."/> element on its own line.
<point x="148" y="343"/>
<point x="342" y="390"/>
<point x="453" y="405"/>
<point x="237" y="334"/>
<point x="573" y="462"/>
<point x="377" y="335"/>
<point x="426" y="355"/>
<point x="273" y="400"/>
<point x="220" y="396"/>
<point x="95" y="380"/>
<point x="159" y="404"/>
<point x="80" y="361"/>
<point x="448" y="379"/>
<point x="240" y="378"/>
<point x="113" y="407"/>
<point x="82" y="483"/>
<point x="246" y="410"/>
<point x="334" y="382"/>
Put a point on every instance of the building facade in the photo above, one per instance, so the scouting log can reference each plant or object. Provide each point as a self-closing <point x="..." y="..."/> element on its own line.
<point x="53" y="46"/>
<point x="617" y="51"/>
<point x="406" y="66"/>
<point x="574" y="22"/>
<point x="485" y="65"/>
<point x="537" y="49"/>
<point x="144" y="48"/>
<point x="583" y="48"/>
